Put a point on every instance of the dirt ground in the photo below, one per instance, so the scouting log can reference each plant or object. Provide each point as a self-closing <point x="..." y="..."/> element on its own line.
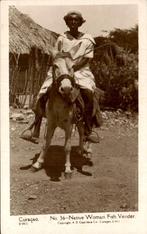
<point x="106" y="183"/>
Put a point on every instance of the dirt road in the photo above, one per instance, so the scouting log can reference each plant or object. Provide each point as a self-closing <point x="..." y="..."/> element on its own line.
<point x="107" y="183"/>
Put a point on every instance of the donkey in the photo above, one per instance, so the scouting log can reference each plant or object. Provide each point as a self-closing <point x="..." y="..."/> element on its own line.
<point x="60" y="112"/>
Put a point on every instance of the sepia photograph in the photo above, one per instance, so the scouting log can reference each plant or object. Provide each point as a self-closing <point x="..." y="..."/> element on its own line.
<point x="73" y="106"/>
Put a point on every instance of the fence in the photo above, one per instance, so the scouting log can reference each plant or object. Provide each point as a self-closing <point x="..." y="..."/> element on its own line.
<point x="26" y="75"/>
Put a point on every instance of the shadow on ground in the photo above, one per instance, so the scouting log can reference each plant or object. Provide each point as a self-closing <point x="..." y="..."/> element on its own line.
<point x="54" y="164"/>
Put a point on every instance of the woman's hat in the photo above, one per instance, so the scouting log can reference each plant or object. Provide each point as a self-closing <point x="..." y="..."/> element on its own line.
<point x="79" y="15"/>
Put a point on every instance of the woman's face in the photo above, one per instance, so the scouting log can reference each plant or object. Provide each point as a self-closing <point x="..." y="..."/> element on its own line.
<point x="73" y="22"/>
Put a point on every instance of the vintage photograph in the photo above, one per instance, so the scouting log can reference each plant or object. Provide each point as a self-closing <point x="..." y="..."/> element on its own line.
<point x="73" y="116"/>
<point x="73" y="101"/>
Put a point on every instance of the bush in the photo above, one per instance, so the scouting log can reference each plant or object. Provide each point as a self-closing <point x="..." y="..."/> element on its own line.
<point x="119" y="81"/>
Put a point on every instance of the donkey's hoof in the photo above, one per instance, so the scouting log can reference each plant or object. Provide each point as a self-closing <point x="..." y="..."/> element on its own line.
<point x="68" y="175"/>
<point x="89" y="155"/>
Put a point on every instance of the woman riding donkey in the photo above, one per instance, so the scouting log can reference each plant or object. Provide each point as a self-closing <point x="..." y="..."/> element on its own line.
<point x="79" y="47"/>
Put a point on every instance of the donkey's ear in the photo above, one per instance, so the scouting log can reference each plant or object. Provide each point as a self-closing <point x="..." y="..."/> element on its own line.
<point x="53" y="51"/>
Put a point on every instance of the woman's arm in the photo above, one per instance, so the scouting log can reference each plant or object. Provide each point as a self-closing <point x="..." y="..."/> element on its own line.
<point x="81" y="64"/>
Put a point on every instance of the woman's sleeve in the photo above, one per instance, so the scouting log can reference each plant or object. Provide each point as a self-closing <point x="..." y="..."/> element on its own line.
<point x="89" y="51"/>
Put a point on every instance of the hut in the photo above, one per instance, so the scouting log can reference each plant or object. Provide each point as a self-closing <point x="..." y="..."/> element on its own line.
<point x="29" y="57"/>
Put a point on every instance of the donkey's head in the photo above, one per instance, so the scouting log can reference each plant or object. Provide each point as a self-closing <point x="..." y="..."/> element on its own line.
<point x="63" y="75"/>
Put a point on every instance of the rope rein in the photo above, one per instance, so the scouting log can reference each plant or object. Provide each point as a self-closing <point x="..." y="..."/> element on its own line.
<point x="91" y="50"/>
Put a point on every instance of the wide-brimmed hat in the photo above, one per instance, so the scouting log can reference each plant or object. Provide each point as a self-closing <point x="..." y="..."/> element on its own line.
<point x="68" y="15"/>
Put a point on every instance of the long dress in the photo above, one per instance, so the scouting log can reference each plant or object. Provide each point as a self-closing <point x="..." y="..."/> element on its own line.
<point x="78" y="49"/>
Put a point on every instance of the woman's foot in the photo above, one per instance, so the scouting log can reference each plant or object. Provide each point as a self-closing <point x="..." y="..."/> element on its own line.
<point x="28" y="137"/>
<point x="93" y="138"/>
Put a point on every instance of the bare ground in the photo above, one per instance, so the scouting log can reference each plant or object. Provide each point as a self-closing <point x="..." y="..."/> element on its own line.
<point x="106" y="183"/>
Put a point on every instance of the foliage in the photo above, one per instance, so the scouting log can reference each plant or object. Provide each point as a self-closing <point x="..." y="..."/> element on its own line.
<point x="117" y="75"/>
<point x="126" y="38"/>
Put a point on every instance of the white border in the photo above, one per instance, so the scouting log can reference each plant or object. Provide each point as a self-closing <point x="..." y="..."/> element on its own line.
<point x="10" y="223"/>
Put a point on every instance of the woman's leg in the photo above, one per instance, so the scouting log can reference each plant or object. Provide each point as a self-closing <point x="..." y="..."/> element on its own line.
<point x="39" y="110"/>
<point x="87" y="96"/>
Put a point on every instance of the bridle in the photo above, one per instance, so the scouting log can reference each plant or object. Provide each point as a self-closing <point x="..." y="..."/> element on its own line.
<point x="58" y="78"/>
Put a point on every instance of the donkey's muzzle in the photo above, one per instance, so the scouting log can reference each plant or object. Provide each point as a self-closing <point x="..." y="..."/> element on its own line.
<point x="65" y="91"/>
<point x="65" y="87"/>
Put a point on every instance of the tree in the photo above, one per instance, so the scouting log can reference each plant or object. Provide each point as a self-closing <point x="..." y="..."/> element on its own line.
<point x="115" y="67"/>
<point x="126" y="38"/>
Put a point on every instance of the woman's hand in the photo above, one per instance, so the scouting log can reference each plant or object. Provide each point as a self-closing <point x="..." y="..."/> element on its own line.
<point x="81" y="64"/>
<point x="63" y="55"/>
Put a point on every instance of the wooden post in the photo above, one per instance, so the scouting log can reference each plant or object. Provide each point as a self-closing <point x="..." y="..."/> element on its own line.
<point x="30" y="85"/>
<point x="25" y="88"/>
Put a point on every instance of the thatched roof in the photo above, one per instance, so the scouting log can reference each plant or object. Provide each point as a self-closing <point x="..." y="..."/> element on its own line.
<point x="24" y="34"/>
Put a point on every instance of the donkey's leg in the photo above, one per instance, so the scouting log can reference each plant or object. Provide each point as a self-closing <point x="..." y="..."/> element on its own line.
<point x="81" y="137"/>
<point x="67" y="147"/>
<point x="88" y="150"/>
<point x="85" y="148"/>
<point x="47" y="141"/>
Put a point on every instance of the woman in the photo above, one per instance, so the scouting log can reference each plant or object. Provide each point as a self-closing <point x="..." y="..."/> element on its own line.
<point x="79" y="47"/>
